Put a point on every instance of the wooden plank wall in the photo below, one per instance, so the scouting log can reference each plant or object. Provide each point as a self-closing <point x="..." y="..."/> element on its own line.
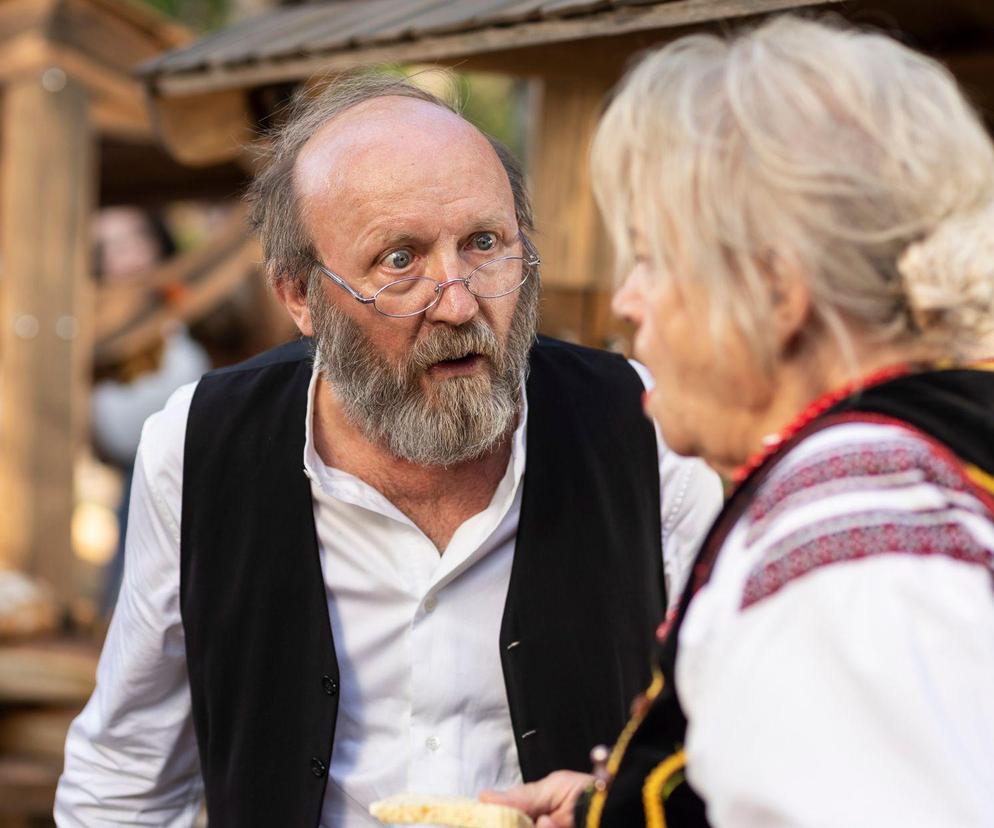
<point x="576" y="255"/>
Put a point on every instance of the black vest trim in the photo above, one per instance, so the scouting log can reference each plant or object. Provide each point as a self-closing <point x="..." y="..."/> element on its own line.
<point x="587" y="570"/>
<point x="586" y="583"/>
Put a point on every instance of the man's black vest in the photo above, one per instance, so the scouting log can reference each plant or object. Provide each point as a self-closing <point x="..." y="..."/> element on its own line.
<point x="586" y="585"/>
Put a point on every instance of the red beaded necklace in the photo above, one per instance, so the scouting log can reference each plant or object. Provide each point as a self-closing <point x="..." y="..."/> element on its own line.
<point x="773" y="442"/>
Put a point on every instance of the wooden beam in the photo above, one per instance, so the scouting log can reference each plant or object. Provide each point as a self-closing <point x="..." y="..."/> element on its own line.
<point x="143" y="173"/>
<point x="192" y="300"/>
<point x="48" y="672"/>
<point x="107" y="35"/>
<point x="571" y="237"/>
<point x="204" y="129"/>
<point x="46" y="193"/>
<point x="118" y="100"/>
<point x="17" y="16"/>
<point x="614" y="22"/>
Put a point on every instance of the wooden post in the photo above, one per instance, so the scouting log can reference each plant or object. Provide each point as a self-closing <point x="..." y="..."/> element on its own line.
<point x="46" y="193"/>
<point x="576" y="256"/>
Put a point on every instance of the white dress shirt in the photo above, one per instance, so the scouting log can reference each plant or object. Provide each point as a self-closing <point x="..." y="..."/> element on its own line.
<point x="838" y="667"/>
<point x="422" y="705"/>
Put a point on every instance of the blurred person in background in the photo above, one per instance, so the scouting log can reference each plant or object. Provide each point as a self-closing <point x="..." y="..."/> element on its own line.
<point x="385" y="558"/>
<point x="128" y="243"/>
<point x="805" y="218"/>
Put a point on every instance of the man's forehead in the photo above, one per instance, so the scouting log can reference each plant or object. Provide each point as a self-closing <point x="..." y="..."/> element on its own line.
<point x="391" y="138"/>
<point x="399" y="166"/>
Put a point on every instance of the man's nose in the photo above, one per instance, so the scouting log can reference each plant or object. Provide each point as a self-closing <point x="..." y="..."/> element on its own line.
<point x="456" y="305"/>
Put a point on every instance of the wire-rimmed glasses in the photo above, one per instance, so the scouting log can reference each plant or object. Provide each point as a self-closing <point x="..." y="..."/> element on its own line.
<point x="416" y="294"/>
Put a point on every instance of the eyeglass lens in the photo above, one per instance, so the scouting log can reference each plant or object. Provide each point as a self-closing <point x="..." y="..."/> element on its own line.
<point x="407" y="297"/>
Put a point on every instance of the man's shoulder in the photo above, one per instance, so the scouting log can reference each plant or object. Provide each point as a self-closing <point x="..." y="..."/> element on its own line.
<point x="601" y="384"/>
<point x="162" y="440"/>
<point x="280" y="371"/>
<point x="290" y="353"/>
<point x="582" y="357"/>
<point x="241" y="404"/>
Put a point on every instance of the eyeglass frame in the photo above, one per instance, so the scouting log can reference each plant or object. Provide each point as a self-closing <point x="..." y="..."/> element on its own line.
<point x="533" y="260"/>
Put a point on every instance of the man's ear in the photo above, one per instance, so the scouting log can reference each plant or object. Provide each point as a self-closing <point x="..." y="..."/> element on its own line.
<point x="294" y="299"/>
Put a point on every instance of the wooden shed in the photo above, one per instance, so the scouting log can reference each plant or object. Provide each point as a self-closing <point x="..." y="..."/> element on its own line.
<point x="210" y="98"/>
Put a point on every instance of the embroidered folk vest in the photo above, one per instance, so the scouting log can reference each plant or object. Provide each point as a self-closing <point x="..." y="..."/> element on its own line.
<point x="585" y="594"/>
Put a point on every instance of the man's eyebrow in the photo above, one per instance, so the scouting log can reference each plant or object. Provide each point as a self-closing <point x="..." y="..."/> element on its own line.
<point x="399" y="238"/>
<point x="489" y="220"/>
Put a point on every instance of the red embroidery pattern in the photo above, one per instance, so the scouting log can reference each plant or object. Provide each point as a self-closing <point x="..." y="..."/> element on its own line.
<point x="792" y="561"/>
<point x="845" y="468"/>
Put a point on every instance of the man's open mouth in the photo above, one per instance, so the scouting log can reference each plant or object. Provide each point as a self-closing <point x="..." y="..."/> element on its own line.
<point x="466" y="361"/>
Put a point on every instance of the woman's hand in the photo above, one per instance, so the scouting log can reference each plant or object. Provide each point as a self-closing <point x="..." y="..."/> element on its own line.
<point x="550" y="801"/>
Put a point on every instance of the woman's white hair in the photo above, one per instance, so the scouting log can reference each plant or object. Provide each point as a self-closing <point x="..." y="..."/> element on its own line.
<point x="814" y="147"/>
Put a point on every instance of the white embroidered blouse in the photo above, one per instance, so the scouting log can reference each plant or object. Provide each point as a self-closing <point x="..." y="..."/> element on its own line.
<point x="838" y="668"/>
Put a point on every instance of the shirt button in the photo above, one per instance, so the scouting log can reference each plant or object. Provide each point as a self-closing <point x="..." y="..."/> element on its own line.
<point x="430" y="603"/>
<point x="318" y="767"/>
<point x="432" y="743"/>
<point x="330" y="685"/>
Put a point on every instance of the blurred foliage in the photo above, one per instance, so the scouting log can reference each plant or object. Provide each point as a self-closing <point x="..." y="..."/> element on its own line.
<point x="494" y="103"/>
<point x="199" y="15"/>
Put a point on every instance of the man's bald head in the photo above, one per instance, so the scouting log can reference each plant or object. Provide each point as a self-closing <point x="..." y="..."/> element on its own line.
<point x="346" y="107"/>
<point x="388" y="160"/>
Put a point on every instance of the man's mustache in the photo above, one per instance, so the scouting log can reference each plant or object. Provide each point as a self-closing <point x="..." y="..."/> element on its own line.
<point x="475" y="337"/>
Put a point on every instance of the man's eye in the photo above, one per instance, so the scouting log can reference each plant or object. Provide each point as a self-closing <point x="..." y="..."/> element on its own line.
<point x="485" y="241"/>
<point x="398" y="260"/>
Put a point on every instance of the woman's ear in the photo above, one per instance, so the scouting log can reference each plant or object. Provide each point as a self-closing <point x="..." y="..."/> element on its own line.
<point x="294" y="299"/>
<point x="790" y="300"/>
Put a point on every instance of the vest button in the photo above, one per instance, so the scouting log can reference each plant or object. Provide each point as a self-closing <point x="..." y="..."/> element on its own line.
<point x="318" y="768"/>
<point x="330" y="685"/>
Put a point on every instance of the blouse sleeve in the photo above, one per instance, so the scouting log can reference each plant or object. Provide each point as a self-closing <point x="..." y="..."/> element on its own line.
<point x="841" y="666"/>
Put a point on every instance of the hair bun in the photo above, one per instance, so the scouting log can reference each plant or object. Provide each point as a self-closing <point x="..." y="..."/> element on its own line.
<point x="949" y="278"/>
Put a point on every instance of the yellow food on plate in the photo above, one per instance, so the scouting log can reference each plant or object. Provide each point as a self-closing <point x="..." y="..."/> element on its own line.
<point x="408" y="809"/>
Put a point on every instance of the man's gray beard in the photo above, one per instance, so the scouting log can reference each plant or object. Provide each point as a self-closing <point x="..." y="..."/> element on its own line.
<point x="455" y="419"/>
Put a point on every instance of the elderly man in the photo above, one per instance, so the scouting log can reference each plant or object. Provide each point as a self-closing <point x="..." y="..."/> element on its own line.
<point x="386" y="561"/>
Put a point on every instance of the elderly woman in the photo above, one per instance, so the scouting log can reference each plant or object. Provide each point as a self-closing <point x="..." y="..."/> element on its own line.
<point x="804" y="214"/>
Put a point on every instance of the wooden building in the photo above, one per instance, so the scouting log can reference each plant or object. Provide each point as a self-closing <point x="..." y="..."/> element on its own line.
<point x="210" y="98"/>
<point x="76" y="135"/>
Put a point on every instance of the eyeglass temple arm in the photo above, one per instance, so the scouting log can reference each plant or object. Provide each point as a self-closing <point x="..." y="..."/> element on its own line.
<point x="338" y="280"/>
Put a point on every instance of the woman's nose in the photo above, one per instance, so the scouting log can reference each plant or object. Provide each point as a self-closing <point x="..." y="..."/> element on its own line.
<point x="628" y="302"/>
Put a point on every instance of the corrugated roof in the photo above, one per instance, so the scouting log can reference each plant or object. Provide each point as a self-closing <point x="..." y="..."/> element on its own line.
<point x="293" y="36"/>
<point x="293" y="31"/>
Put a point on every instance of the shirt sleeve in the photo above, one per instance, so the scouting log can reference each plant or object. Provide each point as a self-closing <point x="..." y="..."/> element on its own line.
<point x="690" y="498"/>
<point x="131" y="755"/>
